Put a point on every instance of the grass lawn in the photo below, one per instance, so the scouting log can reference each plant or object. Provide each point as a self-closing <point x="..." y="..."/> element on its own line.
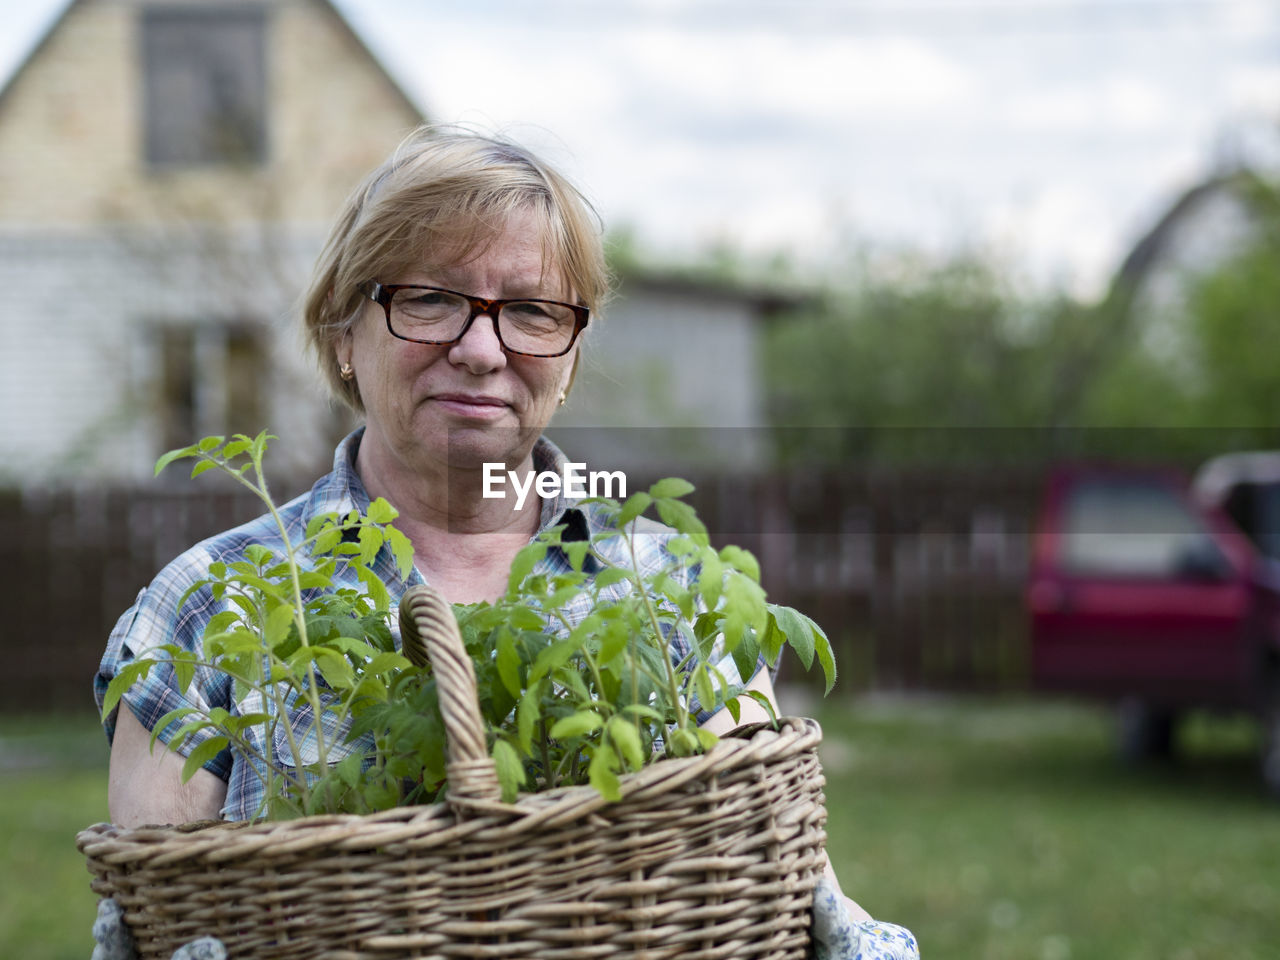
<point x="54" y="773"/>
<point x="1006" y="830"/>
<point x="994" y="829"/>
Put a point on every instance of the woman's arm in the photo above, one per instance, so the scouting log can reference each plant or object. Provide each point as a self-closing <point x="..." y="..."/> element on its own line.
<point x="145" y="785"/>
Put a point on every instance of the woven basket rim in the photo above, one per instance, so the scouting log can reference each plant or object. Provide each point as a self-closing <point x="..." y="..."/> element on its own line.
<point x="226" y="841"/>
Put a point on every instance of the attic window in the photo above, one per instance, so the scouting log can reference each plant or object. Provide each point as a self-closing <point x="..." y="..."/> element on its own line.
<point x="204" y="78"/>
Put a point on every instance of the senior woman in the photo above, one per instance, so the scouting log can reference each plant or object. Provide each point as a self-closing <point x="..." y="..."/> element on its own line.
<point x="448" y="307"/>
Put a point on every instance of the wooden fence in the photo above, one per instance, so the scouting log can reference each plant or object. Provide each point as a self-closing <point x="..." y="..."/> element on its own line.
<point x="917" y="576"/>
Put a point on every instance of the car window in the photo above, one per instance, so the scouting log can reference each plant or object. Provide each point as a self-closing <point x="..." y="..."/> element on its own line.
<point x="1264" y="525"/>
<point x="1133" y="528"/>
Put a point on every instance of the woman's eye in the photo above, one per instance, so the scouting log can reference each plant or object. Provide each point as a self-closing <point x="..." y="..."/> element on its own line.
<point x="428" y="299"/>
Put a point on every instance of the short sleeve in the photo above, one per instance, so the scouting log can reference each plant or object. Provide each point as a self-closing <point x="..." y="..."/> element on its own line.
<point x="159" y="616"/>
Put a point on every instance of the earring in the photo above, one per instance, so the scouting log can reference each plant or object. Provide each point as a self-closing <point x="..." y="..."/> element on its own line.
<point x="346" y="372"/>
<point x="564" y="395"/>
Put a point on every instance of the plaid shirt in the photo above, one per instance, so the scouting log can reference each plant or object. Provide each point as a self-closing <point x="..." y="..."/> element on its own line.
<point x="156" y="617"/>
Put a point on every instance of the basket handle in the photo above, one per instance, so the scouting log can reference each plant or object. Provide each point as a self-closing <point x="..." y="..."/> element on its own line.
<point x="429" y="635"/>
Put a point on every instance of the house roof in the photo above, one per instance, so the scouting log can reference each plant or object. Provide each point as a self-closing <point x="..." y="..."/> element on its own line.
<point x="766" y="301"/>
<point x="1147" y="252"/>
<point x="325" y="6"/>
<point x="37" y="49"/>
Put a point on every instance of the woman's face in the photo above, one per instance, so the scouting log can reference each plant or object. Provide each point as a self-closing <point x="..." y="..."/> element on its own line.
<point x="466" y="403"/>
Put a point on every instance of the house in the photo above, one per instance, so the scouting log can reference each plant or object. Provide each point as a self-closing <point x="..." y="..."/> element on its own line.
<point x="1201" y="231"/>
<point x="670" y="377"/>
<point x="168" y="169"/>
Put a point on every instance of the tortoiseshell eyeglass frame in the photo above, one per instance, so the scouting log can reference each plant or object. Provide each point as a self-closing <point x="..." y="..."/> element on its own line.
<point x="381" y="294"/>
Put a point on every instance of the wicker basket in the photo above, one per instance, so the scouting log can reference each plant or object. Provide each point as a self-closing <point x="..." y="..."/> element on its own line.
<point x="714" y="856"/>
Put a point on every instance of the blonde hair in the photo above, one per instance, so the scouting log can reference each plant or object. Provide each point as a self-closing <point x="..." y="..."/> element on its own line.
<point x="442" y="197"/>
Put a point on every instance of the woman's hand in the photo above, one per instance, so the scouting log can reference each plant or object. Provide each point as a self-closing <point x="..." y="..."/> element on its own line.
<point x="843" y="931"/>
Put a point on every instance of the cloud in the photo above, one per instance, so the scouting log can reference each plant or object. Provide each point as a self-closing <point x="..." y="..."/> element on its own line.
<point x="1254" y="89"/>
<point x="836" y="78"/>
<point x="1062" y="223"/>
<point x="1123" y="104"/>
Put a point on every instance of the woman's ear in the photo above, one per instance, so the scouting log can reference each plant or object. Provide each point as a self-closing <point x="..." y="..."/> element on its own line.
<point x="342" y="349"/>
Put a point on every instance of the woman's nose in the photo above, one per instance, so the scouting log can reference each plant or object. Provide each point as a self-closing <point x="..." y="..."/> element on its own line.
<point x="479" y="349"/>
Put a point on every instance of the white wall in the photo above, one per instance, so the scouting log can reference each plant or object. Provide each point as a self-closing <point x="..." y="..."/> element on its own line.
<point x="674" y="375"/>
<point x="77" y="369"/>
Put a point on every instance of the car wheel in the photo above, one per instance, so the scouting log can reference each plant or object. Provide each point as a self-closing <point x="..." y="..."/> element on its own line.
<point x="1143" y="732"/>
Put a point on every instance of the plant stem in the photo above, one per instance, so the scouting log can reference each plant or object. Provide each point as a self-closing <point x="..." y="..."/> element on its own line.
<point x="260" y="490"/>
<point x="682" y="715"/>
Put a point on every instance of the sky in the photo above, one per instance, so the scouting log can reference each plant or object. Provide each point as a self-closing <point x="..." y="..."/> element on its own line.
<point x="1050" y="134"/>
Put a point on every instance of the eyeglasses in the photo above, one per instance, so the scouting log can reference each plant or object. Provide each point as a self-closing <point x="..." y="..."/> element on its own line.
<point x="531" y="328"/>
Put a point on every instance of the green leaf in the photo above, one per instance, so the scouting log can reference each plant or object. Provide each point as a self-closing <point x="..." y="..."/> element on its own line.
<point x="387" y="662"/>
<point x="159" y="726"/>
<point x="797" y="630"/>
<point x="209" y="443"/>
<point x="634" y="506"/>
<point x="125" y="678"/>
<point x="613" y="642"/>
<point x="711" y="577"/>
<point x="670" y="487"/>
<point x="524" y="618"/>
<point x="508" y="663"/>
<point x="380" y="511"/>
<point x="326" y="541"/>
<point x="348" y="770"/>
<point x="528" y="558"/>
<point x="202" y="754"/>
<point x="576" y="551"/>
<point x="640" y="710"/>
<point x="576" y="725"/>
<point x="527" y="715"/>
<point x="676" y="513"/>
<point x="765" y="702"/>
<point x="602" y="772"/>
<point x="734" y="708"/>
<point x="510" y="770"/>
<point x="682" y="743"/>
<point x="236" y="447"/>
<point x="202" y="466"/>
<point x="569" y="678"/>
<point x="627" y="740"/>
<point x="746" y="656"/>
<point x="279" y="620"/>
<point x="376" y="589"/>
<point x="335" y="668"/>
<point x="611" y="575"/>
<point x="706" y="739"/>
<point x="549" y="658"/>
<point x="742" y="560"/>
<point x="745" y="609"/>
<point x="221" y="622"/>
<point x="172" y="455"/>
<point x="681" y="546"/>
<point x="370" y="543"/>
<point x="184" y="669"/>
<point x="258" y="555"/>
<point x="825" y="657"/>
<point x="703" y="686"/>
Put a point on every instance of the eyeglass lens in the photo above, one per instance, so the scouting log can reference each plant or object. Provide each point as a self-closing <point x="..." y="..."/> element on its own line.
<point x="526" y="326"/>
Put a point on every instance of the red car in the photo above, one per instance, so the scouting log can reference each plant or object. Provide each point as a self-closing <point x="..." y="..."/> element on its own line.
<point x="1145" y="594"/>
